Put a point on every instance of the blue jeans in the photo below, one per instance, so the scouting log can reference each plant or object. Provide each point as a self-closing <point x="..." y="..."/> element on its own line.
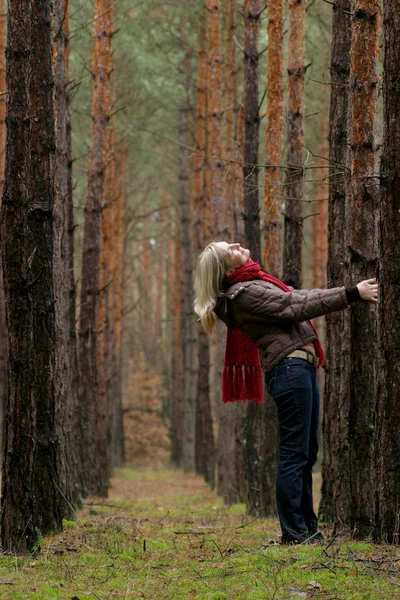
<point x="292" y="384"/>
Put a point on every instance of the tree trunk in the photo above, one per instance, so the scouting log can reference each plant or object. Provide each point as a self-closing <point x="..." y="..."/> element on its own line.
<point x="336" y="393"/>
<point x="65" y="385"/>
<point x="188" y="319"/>
<point x="177" y="352"/>
<point x="274" y="140"/>
<point x="117" y="443"/>
<point x="295" y="156"/>
<point x="31" y="499"/>
<point x="215" y="172"/>
<point x="388" y="421"/>
<point x="204" y="439"/>
<point x="251" y="127"/>
<point x="238" y="217"/>
<point x="3" y="345"/>
<point x="361" y="237"/>
<point x="259" y="457"/>
<point x="105" y="320"/>
<point x="91" y="242"/>
<point x="232" y="108"/>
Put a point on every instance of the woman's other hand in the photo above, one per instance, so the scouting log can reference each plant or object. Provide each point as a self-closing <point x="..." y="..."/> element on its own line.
<point x="368" y="290"/>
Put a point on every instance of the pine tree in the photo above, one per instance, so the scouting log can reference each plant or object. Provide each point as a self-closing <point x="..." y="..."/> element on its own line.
<point x="295" y="154"/>
<point x="337" y="324"/>
<point x="101" y="100"/>
<point x="274" y="139"/>
<point x="31" y="503"/>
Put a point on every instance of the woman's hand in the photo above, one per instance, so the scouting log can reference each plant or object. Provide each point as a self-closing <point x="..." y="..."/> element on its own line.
<point x="368" y="290"/>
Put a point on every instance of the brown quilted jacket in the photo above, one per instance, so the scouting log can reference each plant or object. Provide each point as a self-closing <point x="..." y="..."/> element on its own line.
<point x="276" y="320"/>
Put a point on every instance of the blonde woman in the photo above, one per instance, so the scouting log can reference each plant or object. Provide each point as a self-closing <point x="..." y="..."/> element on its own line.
<point x="263" y="314"/>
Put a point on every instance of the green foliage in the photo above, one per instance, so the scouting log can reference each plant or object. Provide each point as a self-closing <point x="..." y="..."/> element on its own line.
<point x="166" y="535"/>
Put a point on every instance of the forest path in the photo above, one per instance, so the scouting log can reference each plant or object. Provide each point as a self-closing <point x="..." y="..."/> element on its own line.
<point x="166" y="535"/>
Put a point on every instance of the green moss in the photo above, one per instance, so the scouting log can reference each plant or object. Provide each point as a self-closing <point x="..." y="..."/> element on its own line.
<point x="187" y="545"/>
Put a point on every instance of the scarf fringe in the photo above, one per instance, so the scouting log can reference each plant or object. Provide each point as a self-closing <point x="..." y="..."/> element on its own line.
<point x="242" y="383"/>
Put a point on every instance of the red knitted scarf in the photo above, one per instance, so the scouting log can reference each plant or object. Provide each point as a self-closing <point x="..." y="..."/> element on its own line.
<point x="242" y="374"/>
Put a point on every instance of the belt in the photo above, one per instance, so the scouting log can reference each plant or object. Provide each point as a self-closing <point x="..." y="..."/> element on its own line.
<point x="310" y="357"/>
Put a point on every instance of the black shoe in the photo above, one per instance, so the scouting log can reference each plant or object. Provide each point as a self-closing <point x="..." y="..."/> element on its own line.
<point x="316" y="538"/>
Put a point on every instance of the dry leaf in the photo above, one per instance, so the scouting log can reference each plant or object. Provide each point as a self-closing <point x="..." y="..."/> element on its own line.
<point x="315" y="585"/>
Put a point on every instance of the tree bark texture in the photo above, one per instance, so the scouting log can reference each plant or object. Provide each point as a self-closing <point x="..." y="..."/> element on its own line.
<point x="251" y="10"/>
<point x="91" y="241"/>
<point x="215" y="172"/>
<point x="254" y="430"/>
<point x="336" y="395"/>
<point x="188" y="318"/>
<point x="232" y="108"/>
<point x="31" y="500"/>
<point x="204" y="438"/>
<point x="238" y="217"/>
<point x="177" y="396"/>
<point x="3" y="345"/>
<point x="65" y="384"/>
<point x="361" y="233"/>
<point x="274" y="140"/>
<point x="117" y="443"/>
<point x="388" y="424"/>
<point x="293" y="228"/>
<point x="105" y="320"/>
<point x="260" y="440"/>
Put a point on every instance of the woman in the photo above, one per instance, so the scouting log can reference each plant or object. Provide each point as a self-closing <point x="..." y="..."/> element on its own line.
<point x="275" y="320"/>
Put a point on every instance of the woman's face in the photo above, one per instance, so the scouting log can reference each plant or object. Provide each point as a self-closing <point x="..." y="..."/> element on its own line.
<point x="234" y="255"/>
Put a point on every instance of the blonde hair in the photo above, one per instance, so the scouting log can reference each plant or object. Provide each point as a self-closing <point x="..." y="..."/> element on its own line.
<point x="211" y="269"/>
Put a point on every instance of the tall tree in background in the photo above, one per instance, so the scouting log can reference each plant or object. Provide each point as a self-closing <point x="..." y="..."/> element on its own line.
<point x="259" y="469"/>
<point x="293" y="230"/>
<point x="215" y="171"/>
<point x="66" y="380"/>
<point x="336" y="394"/>
<point x="188" y="320"/>
<point x="387" y="435"/>
<point x="31" y="502"/>
<point x="204" y="440"/>
<point x="361" y="237"/>
<point x="117" y="444"/>
<point x="177" y="397"/>
<point x="232" y="107"/>
<point x="3" y="347"/>
<point x="251" y="10"/>
<point x="216" y="193"/>
<point x="274" y="139"/>
<point x="230" y="484"/>
<point x="105" y="341"/>
<point x="101" y="99"/>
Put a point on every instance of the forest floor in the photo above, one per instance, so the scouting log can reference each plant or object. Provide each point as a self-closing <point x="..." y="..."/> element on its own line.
<point x="165" y="535"/>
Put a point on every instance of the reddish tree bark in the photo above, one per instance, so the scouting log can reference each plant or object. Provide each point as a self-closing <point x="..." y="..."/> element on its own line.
<point x="91" y="242"/>
<point x="295" y="156"/>
<point x="232" y="107"/>
<point x="204" y="440"/>
<point x="215" y="172"/>
<point x="274" y="140"/>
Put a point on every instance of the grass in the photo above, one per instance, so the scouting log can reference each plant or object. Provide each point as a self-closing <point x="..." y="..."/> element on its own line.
<point x="166" y="535"/>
